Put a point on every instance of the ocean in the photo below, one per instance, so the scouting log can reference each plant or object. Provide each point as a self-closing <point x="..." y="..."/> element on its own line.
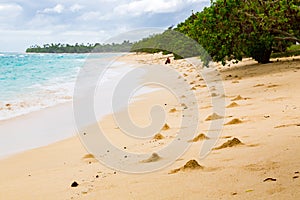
<point x="30" y="82"/>
<point x="46" y="83"/>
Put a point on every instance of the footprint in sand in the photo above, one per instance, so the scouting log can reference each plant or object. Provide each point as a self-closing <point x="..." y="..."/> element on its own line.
<point x="214" y="116"/>
<point x="200" y="137"/>
<point x="287" y="125"/>
<point x="153" y="158"/>
<point x="230" y="143"/>
<point x="259" y="85"/>
<point x="234" y="121"/>
<point x="190" y="165"/>
<point x="232" y="105"/>
<point x="272" y="86"/>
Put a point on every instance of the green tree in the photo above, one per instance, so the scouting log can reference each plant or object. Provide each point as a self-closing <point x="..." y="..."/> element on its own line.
<point x="231" y="29"/>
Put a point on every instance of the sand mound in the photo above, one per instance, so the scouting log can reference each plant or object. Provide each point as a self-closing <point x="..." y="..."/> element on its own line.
<point x="190" y="165"/>
<point x="214" y="116"/>
<point x="234" y="121"/>
<point x="165" y="127"/>
<point x="158" y="136"/>
<point x="232" y="105"/>
<point x="88" y="156"/>
<point x="214" y="94"/>
<point x="153" y="158"/>
<point x="184" y="106"/>
<point x="172" y="110"/>
<point x="199" y="138"/>
<point x="230" y="143"/>
<point x="239" y="97"/>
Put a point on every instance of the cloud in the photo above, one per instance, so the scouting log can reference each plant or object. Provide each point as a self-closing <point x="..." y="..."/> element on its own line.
<point x="29" y="22"/>
<point x="59" y="8"/>
<point x="9" y="14"/>
<point x="147" y="6"/>
<point x="140" y="7"/>
<point x="76" y="8"/>
<point x="10" y="10"/>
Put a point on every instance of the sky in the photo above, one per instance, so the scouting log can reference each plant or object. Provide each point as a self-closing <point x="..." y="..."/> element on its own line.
<point x="29" y="22"/>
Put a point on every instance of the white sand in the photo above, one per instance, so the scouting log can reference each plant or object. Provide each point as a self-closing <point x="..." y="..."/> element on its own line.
<point x="269" y="131"/>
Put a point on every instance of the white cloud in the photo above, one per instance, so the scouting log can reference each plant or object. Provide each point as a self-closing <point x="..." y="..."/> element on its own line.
<point x="56" y="9"/>
<point x="149" y="6"/>
<point x="10" y="10"/>
<point x="28" y="22"/>
<point x="94" y="16"/>
<point x="76" y="8"/>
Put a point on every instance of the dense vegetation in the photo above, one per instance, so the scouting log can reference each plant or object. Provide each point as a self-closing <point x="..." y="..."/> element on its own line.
<point x="168" y="42"/>
<point x="81" y="48"/>
<point x="232" y="29"/>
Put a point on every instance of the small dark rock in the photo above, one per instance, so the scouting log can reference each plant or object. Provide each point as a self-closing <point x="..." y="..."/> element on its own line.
<point x="295" y="177"/>
<point x="97" y="176"/>
<point x="115" y="172"/>
<point x="74" y="184"/>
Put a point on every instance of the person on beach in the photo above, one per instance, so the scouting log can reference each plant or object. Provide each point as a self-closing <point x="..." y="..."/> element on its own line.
<point x="168" y="61"/>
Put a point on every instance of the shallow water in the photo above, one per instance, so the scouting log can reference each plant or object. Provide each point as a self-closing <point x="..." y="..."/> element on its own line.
<point x="30" y="82"/>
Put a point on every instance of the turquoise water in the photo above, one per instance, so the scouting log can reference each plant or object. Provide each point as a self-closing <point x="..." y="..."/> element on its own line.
<point x="29" y="82"/>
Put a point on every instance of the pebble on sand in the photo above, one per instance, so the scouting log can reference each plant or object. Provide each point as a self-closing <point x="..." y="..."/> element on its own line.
<point x="74" y="184"/>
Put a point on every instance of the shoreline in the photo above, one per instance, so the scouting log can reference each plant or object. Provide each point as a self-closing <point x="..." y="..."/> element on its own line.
<point x="263" y="166"/>
<point x="10" y="127"/>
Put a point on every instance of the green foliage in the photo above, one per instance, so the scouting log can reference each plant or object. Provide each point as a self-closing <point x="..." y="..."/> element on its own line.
<point x="231" y="29"/>
<point x="293" y="50"/>
<point x="174" y="42"/>
<point x="66" y="48"/>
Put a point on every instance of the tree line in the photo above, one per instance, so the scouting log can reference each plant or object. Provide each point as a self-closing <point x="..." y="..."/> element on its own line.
<point x="233" y="29"/>
<point x="80" y="48"/>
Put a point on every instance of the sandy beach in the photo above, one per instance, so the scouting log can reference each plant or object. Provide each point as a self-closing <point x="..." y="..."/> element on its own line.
<point x="255" y="157"/>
